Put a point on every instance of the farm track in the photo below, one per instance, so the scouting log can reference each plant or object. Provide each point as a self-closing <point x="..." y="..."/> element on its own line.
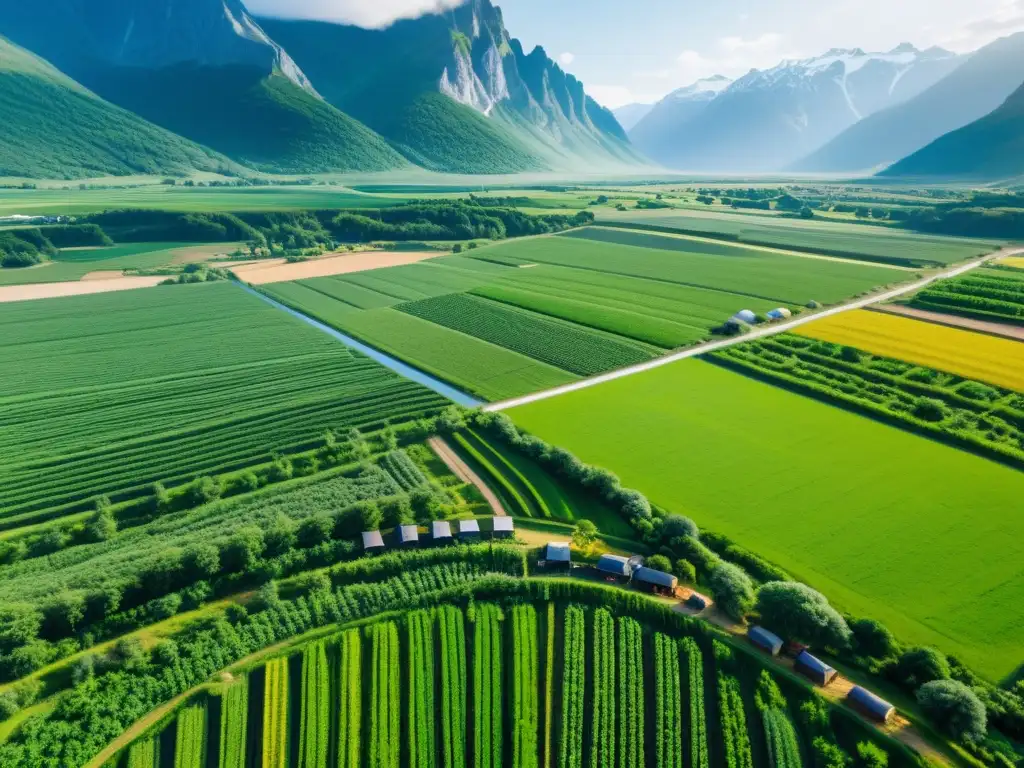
<point x="463" y="471"/>
<point x="1002" y="330"/>
<point x="757" y="333"/>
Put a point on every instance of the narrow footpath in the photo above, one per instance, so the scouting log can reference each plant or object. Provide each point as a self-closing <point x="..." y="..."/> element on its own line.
<point x="466" y="474"/>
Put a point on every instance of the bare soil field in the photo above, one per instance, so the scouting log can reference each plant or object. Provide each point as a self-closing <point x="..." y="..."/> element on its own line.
<point x="103" y="274"/>
<point x="278" y="271"/>
<point x="10" y="293"/>
<point x="1004" y="330"/>
<point x="199" y="253"/>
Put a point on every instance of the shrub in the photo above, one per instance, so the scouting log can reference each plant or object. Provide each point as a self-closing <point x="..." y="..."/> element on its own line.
<point x="266" y="598"/>
<point x="929" y="409"/>
<point x="659" y="563"/>
<point x="871" y="638"/>
<point x="800" y="613"/>
<point x="871" y="756"/>
<point x="315" y="530"/>
<point x="919" y="666"/>
<point x="674" y="526"/>
<point x="19" y="260"/>
<point x="103" y="526"/>
<point x="584" y="533"/>
<point x="732" y="589"/>
<point x="954" y="707"/>
<point x="685" y="571"/>
<point x="828" y="755"/>
<point x="166" y="606"/>
<point x="203" y="491"/>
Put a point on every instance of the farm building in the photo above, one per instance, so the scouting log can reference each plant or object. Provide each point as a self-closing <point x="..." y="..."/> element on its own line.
<point x="504" y="528"/>
<point x="441" y="532"/>
<point x="615" y="567"/>
<point x="469" y="530"/>
<point x="765" y="640"/>
<point x="373" y="541"/>
<point x="779" y="314"/>
<point x="407" y="535"/>
<point x="870" y="705"/>
<point x="655" y="581"/>
<point x="814" y="669"/>
<point x="745" y="316"/>
<point x="558" y="555"/>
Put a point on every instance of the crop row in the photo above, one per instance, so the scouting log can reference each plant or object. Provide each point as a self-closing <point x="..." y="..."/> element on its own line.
<point x="602" y="749"/>
<point x="275" y="715"/>
<point x="403" y="470"/>
<point x="422" y="719"/>
<point x="734" y="723"/>
<point x="573" y="688"/>
<point x="385" y="737"/>
<point x="549" y="687"/>
<point x="668" y="744"/>
<point x="452" y="632"/>
<point x="694" y="667"/>
<point x="631" y="694"/>
<point x="234" y="722"/>
<point x="314" y="725"/>
<point x="988" y="296"/>
<point x="350" y="689"/>
<point x="525" y="681"/>
<point x="487" y="688"/>
<point x="190" y="739"/>
<point x="143" y="754"/>
<point x="565" y="345"/>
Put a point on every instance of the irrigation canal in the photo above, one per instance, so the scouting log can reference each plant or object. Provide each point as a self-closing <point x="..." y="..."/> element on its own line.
<point x="402" y="369"/>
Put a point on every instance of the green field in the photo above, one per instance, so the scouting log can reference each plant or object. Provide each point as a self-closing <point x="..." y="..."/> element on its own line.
<point x="887" y="524"/>
<point x="850" y="240"/>
<point x="71" y="265"/>
<point x="107" y="394"/>
<point x="518" y="316"/>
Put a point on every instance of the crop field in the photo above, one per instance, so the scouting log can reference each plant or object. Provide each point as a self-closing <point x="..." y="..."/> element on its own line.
<point x="984" y="294"/>
<point x="517" y="317"/>
<point x="168" y="385"/>
<point x="623" y="694"/>
<point x="75" y="264"/>
<point x="965" y="413"/>
<point x="975" y="356"/>
<point x="860" y="510"/>
<point x="844" y="240"/>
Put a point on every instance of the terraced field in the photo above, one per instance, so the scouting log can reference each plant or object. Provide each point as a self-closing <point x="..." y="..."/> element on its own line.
<point x="983" y="294"/>
<point x="108" y="394"/>
<point x="844" y="240"/>
<point x="971" y="355"/>
<point x="515" y="317"/>
<point x="862" y="511"/>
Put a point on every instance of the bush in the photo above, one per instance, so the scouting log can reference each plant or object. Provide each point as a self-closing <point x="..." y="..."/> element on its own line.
<point x="954" y="707"/>
<point x="799" y="613"/>
<point x="19" y="260"/>
<point x="828" y="755"/>
<point x="266" y="598"/>
<point x="732" y="589"/>
<point x="918" y="666"/>
<point x="659" y="563"/>
<point x="584" y="533"/>
<point x="685" y="571"/>
<point x="873" y="639"/>
<point x="674" y="526"/>
<point x="315" y="530"/>
<point x="103" y="526"/>
<point x="929" y="409"/>
<point x="871" y="756"/>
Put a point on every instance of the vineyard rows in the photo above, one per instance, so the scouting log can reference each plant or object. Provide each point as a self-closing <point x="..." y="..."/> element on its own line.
<point x="545" y="685"/>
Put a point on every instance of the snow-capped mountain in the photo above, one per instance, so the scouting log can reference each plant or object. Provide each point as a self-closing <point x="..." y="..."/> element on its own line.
<point x="629" y="115"/>
<point x="654" y="134"/>
<point x="768" y="119"/>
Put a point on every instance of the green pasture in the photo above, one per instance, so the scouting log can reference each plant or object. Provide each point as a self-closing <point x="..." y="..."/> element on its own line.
<point x="889" y="525"/>
<point x="110" y="393"/>
<point x="856" y="241"/>
<point x="76" y="264"/>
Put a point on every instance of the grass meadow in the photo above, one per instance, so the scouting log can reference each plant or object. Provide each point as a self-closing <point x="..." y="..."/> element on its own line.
<point x="107" y="394"/>
<point x="72" y="265"/>
<point x="972" y="355"/>
<point x="889" y="525"/>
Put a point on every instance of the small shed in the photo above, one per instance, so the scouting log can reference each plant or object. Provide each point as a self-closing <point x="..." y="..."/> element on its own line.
<point x="407" y="535"/>
<point x="697" y="601"/>
<point x="745" y="316"/>
<point x="441" y="532"/>
<point x="765" y="640"/>
<point x="504" y="528"/>
<point x="814" y="669"/>
<point x="615" y="567"/>
<point x="469" y="530"/>
<point x="558" y="555"/>
<point x="870" y="705"/>
<point x="655" y="581"/>
<point x="779" y="314"/>
<point x="373" y="541"/>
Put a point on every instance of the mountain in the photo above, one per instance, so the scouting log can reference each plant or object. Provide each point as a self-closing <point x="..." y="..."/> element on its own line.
<point x="656" y="133"/>
<point x="631" y="114"/>
<point x="203" y="69"/>
<point x="970" y="92"/>
<point x="767" y="120"/>
<point x="453" y="91"/>
<point x="989" y="149"/>
<point x="55" y="128"/>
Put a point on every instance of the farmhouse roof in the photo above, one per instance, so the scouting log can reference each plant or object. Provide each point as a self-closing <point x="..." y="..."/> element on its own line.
<point x="814" y="664"/>
<point x="614" y="564"/>
<point x="373" y="540"/>
<point x="441" y="529"/>
<point x="868" y="701"/>
<point x="408" y="534"/>
<point x="658" y="578"/>
<point x="559" y="552"/>
<point x="504" y="524"/>
<point x="762" y="637"/>
<point x="468" y="526"/>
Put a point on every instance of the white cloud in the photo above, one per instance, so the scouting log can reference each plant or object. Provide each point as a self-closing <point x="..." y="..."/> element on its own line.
<point x="732" y="56"/>
<point x="565" y="59"/>
<point x="615" y="96"/>
<point x="378" y="13"/>
<point x="1006" y="18"/>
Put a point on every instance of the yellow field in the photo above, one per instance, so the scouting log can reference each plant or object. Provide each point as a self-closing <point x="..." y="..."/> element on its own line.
<point x="971" y="355"/>
<point x="1017" y="262"/>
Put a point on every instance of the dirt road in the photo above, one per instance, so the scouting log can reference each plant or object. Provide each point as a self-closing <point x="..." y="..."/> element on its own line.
<point x="756" y="333"/>
<point x="466" y="474"/>
<point x="1003" y="330"/>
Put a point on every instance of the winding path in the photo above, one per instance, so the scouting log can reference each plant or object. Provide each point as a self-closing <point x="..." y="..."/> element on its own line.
<point x="756" y="333"/>
<point x="466" y="474"/>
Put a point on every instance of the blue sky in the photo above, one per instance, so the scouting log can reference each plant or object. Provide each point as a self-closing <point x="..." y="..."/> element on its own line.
<point x="642" y="50"/>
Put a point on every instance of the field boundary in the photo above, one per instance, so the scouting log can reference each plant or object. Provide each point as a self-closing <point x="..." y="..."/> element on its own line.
<point x="465" y="473"/>
<point x="757" y="333"/>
